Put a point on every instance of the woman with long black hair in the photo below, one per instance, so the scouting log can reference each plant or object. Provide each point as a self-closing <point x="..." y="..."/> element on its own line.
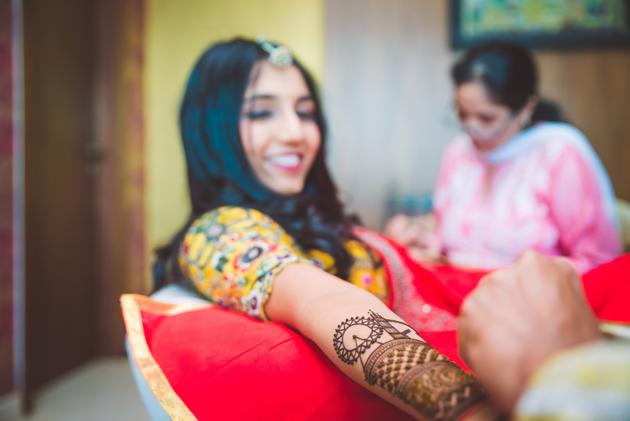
<point x="268" y="236"/>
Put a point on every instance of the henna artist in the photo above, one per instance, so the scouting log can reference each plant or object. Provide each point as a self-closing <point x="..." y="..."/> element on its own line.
<point x="269" y="237"/>
<point x="516" y="178"/>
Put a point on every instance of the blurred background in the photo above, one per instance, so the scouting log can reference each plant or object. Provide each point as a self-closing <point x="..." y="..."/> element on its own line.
<point x="92" y="173"/>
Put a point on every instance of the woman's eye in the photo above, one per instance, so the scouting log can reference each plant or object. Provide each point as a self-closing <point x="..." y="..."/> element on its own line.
<point x="487" y="119"/>
<point x="258" y="114"/>
<point x="306" y="114"/>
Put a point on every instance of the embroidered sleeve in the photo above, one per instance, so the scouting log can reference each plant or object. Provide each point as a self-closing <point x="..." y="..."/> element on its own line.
<point x="367" y="271"/>
<point x="232" y="255"/>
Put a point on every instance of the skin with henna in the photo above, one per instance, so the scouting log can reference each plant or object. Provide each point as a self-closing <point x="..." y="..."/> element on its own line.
<point x="281" y="137"/>
<point x="406" y="367"/>
<point x="373" y="346"/>
<point x="353" y="327"/>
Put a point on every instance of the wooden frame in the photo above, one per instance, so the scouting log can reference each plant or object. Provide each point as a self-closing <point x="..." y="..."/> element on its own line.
<point x="605" y="23"/>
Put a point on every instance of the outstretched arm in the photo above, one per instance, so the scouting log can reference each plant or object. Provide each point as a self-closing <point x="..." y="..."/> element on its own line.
<point x="243" y="260"/>
<point x="373" y="346"/>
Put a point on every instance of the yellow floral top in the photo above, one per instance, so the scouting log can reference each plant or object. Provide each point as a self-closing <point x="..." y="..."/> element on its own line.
<point x="232" y="255"/>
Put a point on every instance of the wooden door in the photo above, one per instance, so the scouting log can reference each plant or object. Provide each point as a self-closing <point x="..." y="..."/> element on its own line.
<point x="7" y="132"/>
<point x="84" y="178"/>
<point x="59" y="207"/>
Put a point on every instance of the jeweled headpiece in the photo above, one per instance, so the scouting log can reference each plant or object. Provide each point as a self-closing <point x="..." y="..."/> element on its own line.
<point x="279" y="55"/>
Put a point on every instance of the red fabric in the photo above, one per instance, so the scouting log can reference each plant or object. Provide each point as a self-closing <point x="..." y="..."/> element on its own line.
<point x="225" y="365"/>
<point x="607" y="289"/>
<point x="441" y="286"/>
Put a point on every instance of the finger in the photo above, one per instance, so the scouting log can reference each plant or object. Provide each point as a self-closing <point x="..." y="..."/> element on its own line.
<point x="463" y="346"/>
<point x="530" y="257"/>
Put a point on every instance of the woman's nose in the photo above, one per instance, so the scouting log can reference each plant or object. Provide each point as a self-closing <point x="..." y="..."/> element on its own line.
<point x="471" y="123"/>
<point x="291" y="129"/>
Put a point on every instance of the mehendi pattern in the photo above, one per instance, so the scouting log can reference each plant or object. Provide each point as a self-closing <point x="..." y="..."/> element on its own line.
<point x="406" y="367"/>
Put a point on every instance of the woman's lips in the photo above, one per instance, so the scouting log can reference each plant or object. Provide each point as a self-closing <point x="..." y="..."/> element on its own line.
<point x="286" y="162"/>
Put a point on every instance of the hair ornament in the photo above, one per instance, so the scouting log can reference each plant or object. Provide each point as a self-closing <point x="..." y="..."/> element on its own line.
<point x="279" y="55"/>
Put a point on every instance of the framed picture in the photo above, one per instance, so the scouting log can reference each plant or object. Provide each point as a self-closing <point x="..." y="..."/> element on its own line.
<point x="541" y="23"/>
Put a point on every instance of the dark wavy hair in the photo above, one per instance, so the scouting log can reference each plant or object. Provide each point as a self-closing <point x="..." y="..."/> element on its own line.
<point x="219" y="173"/>
<point x="509" y="74"/>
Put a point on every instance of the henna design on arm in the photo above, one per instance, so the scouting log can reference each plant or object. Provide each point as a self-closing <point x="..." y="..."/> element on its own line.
<point x="406" y="367"/>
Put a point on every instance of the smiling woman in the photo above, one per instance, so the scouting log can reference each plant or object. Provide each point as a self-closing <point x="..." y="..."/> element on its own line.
<point x="269" y="237"/>
<point x="279" y="132"/>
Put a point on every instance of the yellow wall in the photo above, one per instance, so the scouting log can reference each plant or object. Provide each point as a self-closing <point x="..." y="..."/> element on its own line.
<point x="176" y="34"/>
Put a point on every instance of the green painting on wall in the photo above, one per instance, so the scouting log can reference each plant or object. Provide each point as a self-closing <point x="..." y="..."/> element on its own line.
<point x="541" y="23"/>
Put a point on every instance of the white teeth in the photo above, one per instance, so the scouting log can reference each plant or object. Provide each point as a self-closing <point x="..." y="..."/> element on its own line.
<point x="286" y="160"/>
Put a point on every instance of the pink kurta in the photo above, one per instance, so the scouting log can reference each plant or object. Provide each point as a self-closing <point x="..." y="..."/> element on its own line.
<point x="548" y="192"/>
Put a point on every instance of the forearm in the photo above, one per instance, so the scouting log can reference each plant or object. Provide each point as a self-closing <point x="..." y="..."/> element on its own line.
<point x="372" y="345"/>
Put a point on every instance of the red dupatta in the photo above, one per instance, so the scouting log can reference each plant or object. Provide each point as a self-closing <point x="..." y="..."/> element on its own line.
<point x="210" y="363"/>
<point x="429" y="297"/>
